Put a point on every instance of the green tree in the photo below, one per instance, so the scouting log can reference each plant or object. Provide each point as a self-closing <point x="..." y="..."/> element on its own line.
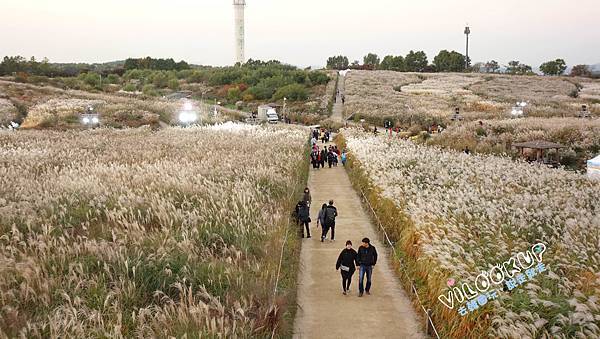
<point x="160" y="80"/>
<point x="337" y="62"/>
<point x="554" y="67"/>
<point x="149" y="90"/>
<point x="113" y="79"/>
<point x="173" y="84"/>
<point x="492" y="66"/>
<point x="581" y="71"/>
<point x="515" y="67"/>
<point x="415" y="61"/>
<point x="449" y="61"/>
<point x="293" y="92"/>
<point x="92" y="79"/>
<point x="393" y="63"/>
<point x="234" y="94"/>
<point x="371" y="60"/>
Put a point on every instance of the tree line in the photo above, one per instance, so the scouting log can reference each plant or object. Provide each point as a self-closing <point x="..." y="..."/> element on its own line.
<point x="451" y="61"/>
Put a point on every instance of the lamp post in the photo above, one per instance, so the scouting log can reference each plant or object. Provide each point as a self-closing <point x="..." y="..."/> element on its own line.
<point x="284" y="115"/>
<point x="518" y="111"/>
<point x="467" y="32"/>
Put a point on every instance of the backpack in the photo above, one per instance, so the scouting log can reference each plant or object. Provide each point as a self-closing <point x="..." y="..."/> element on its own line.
<point x="330" y="213"/>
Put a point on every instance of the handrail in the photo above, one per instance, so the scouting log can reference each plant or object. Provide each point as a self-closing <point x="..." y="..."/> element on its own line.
<point x="429" y="322"/>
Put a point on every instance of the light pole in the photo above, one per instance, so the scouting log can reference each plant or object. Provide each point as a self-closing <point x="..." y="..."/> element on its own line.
<point x="467" y="32"/>
<point x="284" y="115"/>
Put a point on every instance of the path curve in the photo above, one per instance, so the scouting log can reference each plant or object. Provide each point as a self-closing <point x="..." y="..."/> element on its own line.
<point x="323" y="312"/>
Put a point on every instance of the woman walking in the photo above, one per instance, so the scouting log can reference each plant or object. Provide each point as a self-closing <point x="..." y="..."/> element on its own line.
<point x="346" y="263"/>
<point x="307" y="198"/>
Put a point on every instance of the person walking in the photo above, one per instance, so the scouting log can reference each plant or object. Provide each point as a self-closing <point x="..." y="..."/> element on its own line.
<point x="307" y="197"/>
<point x="321" y="218"/>
<point x="329" y="221"/>
<point x="344" y="157"/>
<point x="346" y="264"/>
<point x="303" y="213"/>
<point x="330" y="157"/>
<point x="366" y="259"/>
<point x="323" y="157"/>
<point x="314" y="158"/>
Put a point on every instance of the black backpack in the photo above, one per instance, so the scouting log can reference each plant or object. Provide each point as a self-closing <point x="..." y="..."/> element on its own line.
<point x="330" y="213"/>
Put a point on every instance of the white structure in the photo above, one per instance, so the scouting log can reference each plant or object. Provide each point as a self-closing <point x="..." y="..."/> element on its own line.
<point x="593" y="168"/>
<point x="238" y="6"/>
<point x="267" y="113"/>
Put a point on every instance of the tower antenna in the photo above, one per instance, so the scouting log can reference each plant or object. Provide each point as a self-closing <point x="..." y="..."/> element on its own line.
<point x="238" y="6"/>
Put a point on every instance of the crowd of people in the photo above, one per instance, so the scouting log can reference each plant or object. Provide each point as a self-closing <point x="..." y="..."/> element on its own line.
<point x="325" y="154"/>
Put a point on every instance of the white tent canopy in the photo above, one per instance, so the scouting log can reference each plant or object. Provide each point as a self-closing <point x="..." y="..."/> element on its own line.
<point x="593" y="168"/>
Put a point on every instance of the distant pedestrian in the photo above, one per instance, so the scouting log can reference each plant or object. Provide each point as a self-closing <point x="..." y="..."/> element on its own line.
<point x="366" y="259"/>
<point x="323" y="157"/>
<point x="346" y="264"/>
<point x="307" y="198"/>
<point x="330" y="215"/>
<point x="303" y="213"/>
<point x="344" y="157"/>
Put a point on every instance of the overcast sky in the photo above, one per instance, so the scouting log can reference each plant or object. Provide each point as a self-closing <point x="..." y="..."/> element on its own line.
<point x="303" y="32"/>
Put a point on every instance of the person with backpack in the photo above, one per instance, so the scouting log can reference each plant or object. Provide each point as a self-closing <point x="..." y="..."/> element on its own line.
<point x="330" y="157"/>
<point x="330" y="215"/>
<point x="303" y="213"/>
<point x="366" y="259"/>
<point x="346" y="264"/>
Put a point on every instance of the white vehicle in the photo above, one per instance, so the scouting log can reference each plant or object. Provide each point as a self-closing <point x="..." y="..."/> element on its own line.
<point x="268" y="114"/>
<point x="272" y="116"/>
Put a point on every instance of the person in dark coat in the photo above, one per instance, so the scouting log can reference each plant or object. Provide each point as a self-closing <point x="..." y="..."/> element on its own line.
<point x="307" y="197"/>
<point x="314" y="158"/>
<point x="321" y="217"/>
<point x="346" y="264"/>
<point x="366" y="259"/>
<point x="329" y="221"/>
<point x="303" y="213"/>
<point x="323" y="157"/>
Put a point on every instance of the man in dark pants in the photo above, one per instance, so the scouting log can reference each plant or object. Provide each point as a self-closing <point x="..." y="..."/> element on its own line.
<point x="303" y="213"/>
<point x="330" y="215"/>
<point x="366" y="258"/>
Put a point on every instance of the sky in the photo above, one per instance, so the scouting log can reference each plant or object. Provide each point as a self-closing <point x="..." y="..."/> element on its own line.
<point x="302" y="32"/>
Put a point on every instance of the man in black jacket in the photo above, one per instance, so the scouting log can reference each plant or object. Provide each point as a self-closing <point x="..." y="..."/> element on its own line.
<point x="329" y="222"/>
<point x="366" y="258"/>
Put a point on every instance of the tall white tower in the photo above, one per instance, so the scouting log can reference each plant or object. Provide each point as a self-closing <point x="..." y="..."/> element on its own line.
<point x="239" y="6"/>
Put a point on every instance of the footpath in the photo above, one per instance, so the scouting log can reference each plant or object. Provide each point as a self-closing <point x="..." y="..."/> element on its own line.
<point x="323" y="311"/>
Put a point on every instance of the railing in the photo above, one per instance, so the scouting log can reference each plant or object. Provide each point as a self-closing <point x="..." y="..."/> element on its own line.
<point x="429" y="326"/>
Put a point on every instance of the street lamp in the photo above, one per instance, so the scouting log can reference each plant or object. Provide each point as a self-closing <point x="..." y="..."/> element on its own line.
<point x="217" y="103"/>
<point x="467" y="32"/>
<point x="284" y="115"/>
<point x="518" y="111"/>
<point x="188" y="116"/>
<point x="90" y="118"/>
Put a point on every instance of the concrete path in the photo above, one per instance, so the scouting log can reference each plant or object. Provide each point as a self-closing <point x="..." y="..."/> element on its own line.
<point x="338" y="106"/>
<point x="323" y="312"/>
